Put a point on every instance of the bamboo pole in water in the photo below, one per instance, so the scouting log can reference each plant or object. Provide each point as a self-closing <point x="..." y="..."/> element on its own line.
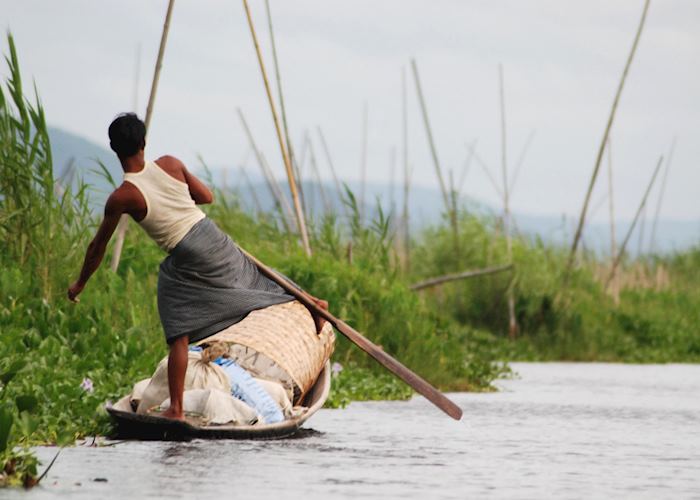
<point x="652" y="242"/>
<point x="285" y="156"/>
<point x="512" y="323"/>
<point x="124" y="220"/>
<point x="618" y="258"/>
<point x="601" y="148"/>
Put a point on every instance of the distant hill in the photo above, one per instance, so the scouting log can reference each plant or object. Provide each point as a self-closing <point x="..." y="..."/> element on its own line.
<point x="74" y="157"/>
<point x="425" y="203"/>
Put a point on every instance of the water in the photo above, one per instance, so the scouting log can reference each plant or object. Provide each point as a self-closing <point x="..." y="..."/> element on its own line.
<point x="563" y="430"/>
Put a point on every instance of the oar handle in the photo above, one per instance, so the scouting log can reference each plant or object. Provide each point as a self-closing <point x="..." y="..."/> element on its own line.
<point x="418" y="383"/>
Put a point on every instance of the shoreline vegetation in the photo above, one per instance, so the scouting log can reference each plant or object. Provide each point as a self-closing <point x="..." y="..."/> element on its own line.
<point x="59" y="362"/>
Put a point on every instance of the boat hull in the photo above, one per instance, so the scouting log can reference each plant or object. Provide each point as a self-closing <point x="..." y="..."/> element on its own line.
<point x="130" y="425"/>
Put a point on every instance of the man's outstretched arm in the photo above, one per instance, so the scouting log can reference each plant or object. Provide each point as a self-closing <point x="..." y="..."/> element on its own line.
<point x="96" y="249"/>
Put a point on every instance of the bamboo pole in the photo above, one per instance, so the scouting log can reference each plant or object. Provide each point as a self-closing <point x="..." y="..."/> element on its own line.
<point x="336" y="181"/>
<point x="652" y="242"/>
<point x="601" y="148"/>
<point x="285" y="156"/>
<point x="392" y="181"/>
<point x="471" y="148"/>
<point x="124" y="220"/>
<point x="280" y="200"/>
<point x="521" y="160"/>
<point x="314" y="168"/>
<point x="512" y="323"/>
<point x="279" y="194"/>
<point x="487" y="171"/>
<point x="137" y="75"/>
<point x="459" y="276"/>
<point x="298" y="166"/>
<point x="375" y="351"/>
<point x="406" y="173"/>
<point x="283" y="109"/>
<point x="618" y="258"/>
<point x="642" y="223"/>
<point x="613" y="241"/>
<point x="453" y="210"/>
<point x="431" y="142"/>
<point x="433" y="151"/>
<point x="363" y="164"/>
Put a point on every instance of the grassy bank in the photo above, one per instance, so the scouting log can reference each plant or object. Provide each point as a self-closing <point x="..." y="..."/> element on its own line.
<point x="654" y="319"/>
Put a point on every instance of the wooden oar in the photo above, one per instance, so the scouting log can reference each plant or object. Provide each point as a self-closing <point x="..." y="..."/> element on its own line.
<point x="415" y="381"/>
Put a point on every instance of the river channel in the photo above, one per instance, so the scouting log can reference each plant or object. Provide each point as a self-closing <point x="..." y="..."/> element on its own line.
<point x="562" y="430"/>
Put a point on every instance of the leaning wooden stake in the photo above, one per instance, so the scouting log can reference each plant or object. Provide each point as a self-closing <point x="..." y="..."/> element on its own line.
<point x="512" y="324"/>
<point x="412" y="379"/>
<point x="124" y="220"/>
<point x="460" y="276"/>
<point x="618" y="258"/>
<point x="601" y="148"/>
<point x="285" y="156"/>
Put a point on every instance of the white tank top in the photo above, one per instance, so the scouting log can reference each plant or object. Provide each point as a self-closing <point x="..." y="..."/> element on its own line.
<point x="170" y="210"/>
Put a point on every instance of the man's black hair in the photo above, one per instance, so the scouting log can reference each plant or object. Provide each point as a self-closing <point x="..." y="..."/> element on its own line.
<point x="127" y="135"/>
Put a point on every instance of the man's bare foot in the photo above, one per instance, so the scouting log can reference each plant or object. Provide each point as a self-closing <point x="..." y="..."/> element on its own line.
<point x="172" y="414"/>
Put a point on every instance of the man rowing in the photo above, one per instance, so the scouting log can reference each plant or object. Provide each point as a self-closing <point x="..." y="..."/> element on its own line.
<point x="206" y="283"/>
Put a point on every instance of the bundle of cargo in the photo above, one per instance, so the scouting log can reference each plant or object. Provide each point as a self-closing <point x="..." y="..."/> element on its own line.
<point x="262" y="377"/>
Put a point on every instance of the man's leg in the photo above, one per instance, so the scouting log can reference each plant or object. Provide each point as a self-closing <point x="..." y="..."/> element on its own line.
<point x="177" y="367"/>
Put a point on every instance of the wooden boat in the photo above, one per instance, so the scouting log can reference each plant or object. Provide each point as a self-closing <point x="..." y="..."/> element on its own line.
<point x="130" y="425"/>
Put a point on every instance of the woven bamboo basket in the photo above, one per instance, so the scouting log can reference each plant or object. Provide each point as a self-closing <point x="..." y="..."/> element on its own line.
<point x="286" y="334"/>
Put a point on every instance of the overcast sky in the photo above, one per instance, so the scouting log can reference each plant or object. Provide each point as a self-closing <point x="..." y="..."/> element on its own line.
<point x="562" y="62"/>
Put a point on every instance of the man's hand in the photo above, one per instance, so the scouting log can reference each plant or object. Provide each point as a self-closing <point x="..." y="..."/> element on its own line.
<point x="318" y="320"/>
<point x="74" y="290"/>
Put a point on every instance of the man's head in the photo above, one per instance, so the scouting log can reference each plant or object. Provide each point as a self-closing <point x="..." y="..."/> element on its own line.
<point x="127" y="135"/>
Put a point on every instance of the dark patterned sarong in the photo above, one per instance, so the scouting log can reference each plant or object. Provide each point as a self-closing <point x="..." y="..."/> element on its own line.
<point x="207" y="284"/>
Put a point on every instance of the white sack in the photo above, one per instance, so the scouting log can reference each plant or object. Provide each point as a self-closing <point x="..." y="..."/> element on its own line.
<point x="199" y="375"/>
<point x="216" y="407"/>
